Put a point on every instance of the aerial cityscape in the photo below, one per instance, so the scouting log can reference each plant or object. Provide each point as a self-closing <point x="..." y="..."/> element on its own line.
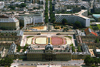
<point x="49" y="33"/>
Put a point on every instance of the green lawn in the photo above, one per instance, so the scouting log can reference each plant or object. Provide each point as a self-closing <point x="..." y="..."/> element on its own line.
<point x="95" y="27"/>
<point x="29" y="36"/>
<point x="69" y="37"/>
<point x="90" y="27"/>
<point x="98" y="26"/>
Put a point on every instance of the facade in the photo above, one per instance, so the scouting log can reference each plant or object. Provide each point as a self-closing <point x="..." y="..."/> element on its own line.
<point x="27" y="20"/>
<point x="76" y="17"/>
<point x="8" y="23"/>
<point x="49" y="54"/>
<point x="8" y="37"/>
<point x="37" y="19"/>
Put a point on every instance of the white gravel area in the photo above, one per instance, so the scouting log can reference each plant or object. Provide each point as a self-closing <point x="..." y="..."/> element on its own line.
<point x="68" y="40"/>
<point x="41" y="40"/>
<point x="29" y="40"/>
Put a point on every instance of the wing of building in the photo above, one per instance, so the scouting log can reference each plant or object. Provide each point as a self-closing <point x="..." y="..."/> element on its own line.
<point x="8" y="22"/>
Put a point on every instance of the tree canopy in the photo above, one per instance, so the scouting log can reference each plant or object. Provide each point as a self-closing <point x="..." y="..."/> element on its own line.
<point x="46" y="11"/>
<point x="97" y="40"/>
<point x="91" y="60"/>
<point x="6" y="62"/>
<point x="22" y="5"/>
<point x="64" y="21"/>
<point x="77" y="24"/>
<point x="18" y="48"/>
<point x="79" y="49"/>
<point x="52" y="14"/>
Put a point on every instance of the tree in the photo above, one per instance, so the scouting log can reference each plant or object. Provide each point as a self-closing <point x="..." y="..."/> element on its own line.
<point x="93" y="65"/>
<point x="71" y="45"/>
<point x="73" y="49"/>
<point x="46" y="12"/>
<point x="22" y="5"/>
<point x="78" y="24"/>
<point x="83" y="7"/>
<point x="52" y="14"/>
<point x="64" y="21"/>
<point x="24" y="49"/>
<point x="97" y="40"/>
<point x="79" y="49"/>
<point x="92" y="61"/>
<point x="18" y="48"/>
<point x="6" y="61"/>
<point x="87" y="60"/>
<point x="96" y="61"/>
<point x="12" y="7"/>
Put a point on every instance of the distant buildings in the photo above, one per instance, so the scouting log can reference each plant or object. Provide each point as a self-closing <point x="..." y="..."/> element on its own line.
<point x="8" y="23"/>
<point x="97" y="17"/>
<point x="2" y="4"/>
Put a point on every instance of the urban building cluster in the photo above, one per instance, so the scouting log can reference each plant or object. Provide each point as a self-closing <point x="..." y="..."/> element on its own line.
<point x="49" y="33"/>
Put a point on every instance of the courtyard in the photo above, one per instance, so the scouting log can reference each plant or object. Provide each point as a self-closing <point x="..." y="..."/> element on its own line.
<point x="44" y="40"/>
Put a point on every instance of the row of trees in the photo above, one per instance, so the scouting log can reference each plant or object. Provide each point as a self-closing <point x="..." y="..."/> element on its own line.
<point x="6" y="62"/>
<point x="79" y="49"/>
<point x="76" y="25"/>
<point x="91" y="61"/>
<point x="73" y="48"/>
<point x="52" y="15"/>
<point x="46" y="11"/>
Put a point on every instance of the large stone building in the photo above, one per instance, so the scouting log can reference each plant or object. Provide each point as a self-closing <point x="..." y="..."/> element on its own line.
<point x="31" y="19"/>
<point x="7" y="37"/>
<point x="49" y="54"/>
<point x="8" y="23"/>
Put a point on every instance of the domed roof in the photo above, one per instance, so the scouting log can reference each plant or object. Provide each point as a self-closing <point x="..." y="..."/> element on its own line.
<point x="49" y="47"/>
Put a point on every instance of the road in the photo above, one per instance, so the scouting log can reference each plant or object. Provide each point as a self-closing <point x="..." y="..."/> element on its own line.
<point x="64" y="63"/>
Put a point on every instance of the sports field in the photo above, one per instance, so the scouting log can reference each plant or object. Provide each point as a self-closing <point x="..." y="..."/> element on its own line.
<point x="58" y="41"/>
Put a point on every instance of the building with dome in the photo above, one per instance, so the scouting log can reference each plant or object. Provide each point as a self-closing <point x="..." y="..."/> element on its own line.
<point x="49" y="54"/>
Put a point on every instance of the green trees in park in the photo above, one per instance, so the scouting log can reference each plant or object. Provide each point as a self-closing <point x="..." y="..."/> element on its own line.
<point x="97" y="40"/>
<point x="52" y="15"/>
<point x="6" y="62"/>
<point x="77" y="24"/>
<point x="46" y="11"/>
<point x="73" y="49"/>
<point x="18" y="48"/>
<point x="24" y="49"/>
<point x="88" y="60"/>
<point x="91" y="61"/>
<point x="79" y="49"/>
<point x="64" y="21"/>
